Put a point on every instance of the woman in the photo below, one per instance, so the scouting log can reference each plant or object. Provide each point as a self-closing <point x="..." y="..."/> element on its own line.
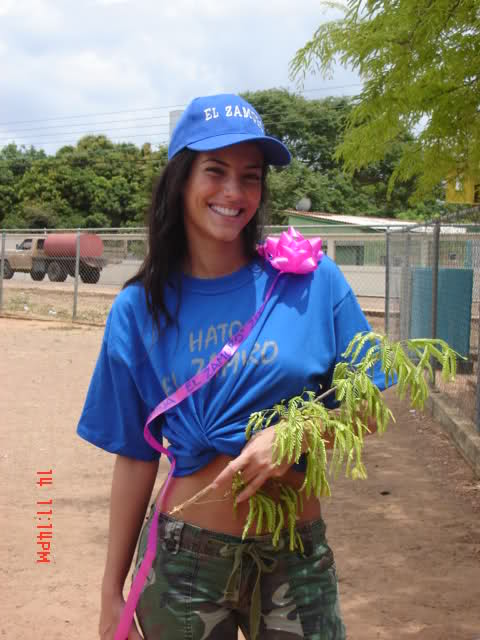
<point x="201" y="280"/>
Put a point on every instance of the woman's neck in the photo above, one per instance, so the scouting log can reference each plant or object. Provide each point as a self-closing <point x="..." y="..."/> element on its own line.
<point x="215" y="263"/>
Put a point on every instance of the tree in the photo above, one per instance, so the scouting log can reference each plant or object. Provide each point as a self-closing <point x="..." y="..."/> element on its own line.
<point x="329" y="191"/>
<point x="41" y="202"/>
<point x="8" y="196"/>
<point x="19" y="159"/>
<point x="310" y="128"/>
<point x="94" y="183"/>
<point x="37" y="215"/>
<point x="418" y="60"/>
<point x="96" y="220"/>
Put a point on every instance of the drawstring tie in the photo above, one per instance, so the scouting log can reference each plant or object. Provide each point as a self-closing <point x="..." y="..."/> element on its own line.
<point x="263" y="555"/>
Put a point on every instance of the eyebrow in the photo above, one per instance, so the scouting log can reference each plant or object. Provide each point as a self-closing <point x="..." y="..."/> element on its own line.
<point x="225" y="164"/>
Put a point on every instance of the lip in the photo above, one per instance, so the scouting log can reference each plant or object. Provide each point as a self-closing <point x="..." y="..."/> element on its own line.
<point x="215" y="209"/>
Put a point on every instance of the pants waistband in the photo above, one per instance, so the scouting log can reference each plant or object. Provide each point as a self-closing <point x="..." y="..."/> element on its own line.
<point x="175" y="535"/>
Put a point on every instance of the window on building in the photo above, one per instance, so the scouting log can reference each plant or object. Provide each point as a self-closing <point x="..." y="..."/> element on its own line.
<point x="350" y="255"/>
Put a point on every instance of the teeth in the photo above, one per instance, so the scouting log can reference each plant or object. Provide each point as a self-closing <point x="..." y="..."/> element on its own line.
<point x="225" y="211"/>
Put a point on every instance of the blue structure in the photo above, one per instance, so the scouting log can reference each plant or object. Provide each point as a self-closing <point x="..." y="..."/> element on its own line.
<point x="454" y="306"/>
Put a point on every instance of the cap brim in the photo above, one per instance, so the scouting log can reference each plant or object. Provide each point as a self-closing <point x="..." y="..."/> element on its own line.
<point x="274" y="151"/>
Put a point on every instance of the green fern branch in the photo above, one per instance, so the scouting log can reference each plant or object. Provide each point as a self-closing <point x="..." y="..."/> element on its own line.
<point x="304" y="420"/>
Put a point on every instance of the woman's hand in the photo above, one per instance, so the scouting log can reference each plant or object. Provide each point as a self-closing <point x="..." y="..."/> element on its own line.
<point x="110" y="617"/>
<point x="256" y="464"/>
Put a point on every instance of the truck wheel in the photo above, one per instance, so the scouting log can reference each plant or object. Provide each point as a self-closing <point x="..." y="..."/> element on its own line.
<point x="37" y="275"/>
<point x="56" y="273"/>
<point x="7" y="270"/>
<point x="90" y="275"/>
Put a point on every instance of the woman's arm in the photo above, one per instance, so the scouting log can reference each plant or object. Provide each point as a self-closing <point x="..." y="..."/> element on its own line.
<point x="132" y="486"/>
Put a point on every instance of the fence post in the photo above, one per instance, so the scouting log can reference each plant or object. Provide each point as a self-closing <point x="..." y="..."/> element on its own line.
<point x="332" y="249"/>
<point x="2" y="263"/>
<point x="405" y="301"/>
<point x="387" y="281"/>
<point x="436" y="258"/>
<point x="77" y="271"/>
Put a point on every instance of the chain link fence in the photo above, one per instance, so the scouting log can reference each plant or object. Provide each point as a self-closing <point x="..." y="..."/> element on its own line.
<point x="418" y="281"/>
<point x="71" y="274"/>
<point x="433" y="290"/>
<point x="67" y="274"/>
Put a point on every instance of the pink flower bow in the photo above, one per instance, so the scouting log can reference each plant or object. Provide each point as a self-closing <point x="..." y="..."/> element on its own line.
<point x="291" y="252"/>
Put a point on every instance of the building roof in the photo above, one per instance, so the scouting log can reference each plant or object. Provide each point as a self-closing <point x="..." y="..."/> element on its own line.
<point x="360" y="221"/>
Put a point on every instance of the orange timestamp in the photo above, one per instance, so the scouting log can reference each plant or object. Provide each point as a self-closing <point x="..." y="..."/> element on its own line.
<point x="45" y="516"/>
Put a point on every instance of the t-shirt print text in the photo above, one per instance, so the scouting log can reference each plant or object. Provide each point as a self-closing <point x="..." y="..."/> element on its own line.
<point x="200" y="345"/>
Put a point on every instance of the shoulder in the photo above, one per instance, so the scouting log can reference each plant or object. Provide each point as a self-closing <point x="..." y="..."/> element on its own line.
<point x="327" y="283"/>
<point x="128" y="319"/>
<point x="129" y="306"/>
<point x="129" y="298"/>
<point x="327" y="268"/>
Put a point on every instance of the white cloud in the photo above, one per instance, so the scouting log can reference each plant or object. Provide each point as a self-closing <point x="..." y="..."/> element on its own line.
<point x="34" y="15"/>
<point x="68" y="58"/>
<point x="6" y="6"/>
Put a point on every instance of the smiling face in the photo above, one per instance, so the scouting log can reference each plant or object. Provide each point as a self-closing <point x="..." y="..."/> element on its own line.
<point x="221" y="196"/>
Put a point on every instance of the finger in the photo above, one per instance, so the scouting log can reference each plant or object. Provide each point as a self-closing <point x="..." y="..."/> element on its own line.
<point x="252" y="487"/>
<point x="225" y="477"/>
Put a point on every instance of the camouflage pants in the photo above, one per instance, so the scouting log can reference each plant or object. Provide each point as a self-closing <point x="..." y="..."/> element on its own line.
<point x="205" y="585"/>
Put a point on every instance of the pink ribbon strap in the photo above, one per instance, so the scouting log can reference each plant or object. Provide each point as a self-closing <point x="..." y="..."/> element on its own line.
<point x="290" y="253"/>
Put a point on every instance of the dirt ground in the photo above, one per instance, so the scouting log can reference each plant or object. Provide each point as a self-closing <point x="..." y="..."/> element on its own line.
<point x="407" y="540"/>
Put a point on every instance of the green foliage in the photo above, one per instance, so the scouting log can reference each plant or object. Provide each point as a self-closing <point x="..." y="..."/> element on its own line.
<point x="329" y="192"/>
<point x="313" y="129"/>
<point x="271" y="515"/>
<point x="419" y="64"/>
<point x="303" y="423"/>
<point x="310" y="128"/>
<point x="96" y="221"/>
<point x="110" y="184"/>
<point x="95" y="183"/>
<point x="37" y="216"/>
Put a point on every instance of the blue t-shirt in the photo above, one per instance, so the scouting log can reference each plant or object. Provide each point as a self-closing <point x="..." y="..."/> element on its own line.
<point x="300" y="336"/>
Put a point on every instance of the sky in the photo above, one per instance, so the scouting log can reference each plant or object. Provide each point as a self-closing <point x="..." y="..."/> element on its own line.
<point x="118" y="67"/>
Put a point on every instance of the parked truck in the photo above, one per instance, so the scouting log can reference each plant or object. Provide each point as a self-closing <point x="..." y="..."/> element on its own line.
<point x="55" y="255"/>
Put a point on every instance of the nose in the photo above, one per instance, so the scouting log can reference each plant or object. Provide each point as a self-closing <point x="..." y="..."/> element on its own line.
<point x="233" y="187"/>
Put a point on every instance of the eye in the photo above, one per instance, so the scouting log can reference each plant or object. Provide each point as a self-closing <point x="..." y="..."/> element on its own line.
<point x="217" y="171"/>
<point x="253" y="177"/>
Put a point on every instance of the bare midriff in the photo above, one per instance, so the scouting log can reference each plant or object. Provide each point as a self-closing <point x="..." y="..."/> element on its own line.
<point x="215" y="511"/>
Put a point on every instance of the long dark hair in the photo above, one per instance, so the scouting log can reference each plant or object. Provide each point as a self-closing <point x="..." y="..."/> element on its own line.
<point x="167" y="243"/>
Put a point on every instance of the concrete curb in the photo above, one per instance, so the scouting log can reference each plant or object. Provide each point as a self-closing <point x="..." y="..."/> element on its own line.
<point x="462" y="431"/>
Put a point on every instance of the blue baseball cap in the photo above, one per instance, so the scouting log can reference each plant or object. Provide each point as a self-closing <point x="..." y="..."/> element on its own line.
<point x="214" y="122"/>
